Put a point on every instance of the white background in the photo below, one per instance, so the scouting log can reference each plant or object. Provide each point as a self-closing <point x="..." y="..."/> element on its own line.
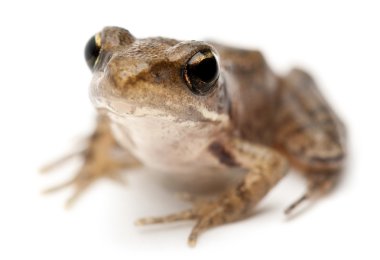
<point x="44" y="107"/>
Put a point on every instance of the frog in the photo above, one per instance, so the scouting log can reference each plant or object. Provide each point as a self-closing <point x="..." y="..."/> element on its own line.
<point x="191" y="107"/>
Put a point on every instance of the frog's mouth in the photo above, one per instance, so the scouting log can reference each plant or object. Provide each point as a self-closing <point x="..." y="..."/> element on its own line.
<point x="119" y="108"/>
<point x="104" y="97"/>
<point x="123" y="109"/>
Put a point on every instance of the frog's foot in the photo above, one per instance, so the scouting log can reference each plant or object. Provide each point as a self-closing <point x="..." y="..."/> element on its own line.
<point x="265" y="168"/>
<point x="207" y="213"/>
<point x="90" y="171"/>
<point x="319" y="185"/>
<point x="99" y="161"/>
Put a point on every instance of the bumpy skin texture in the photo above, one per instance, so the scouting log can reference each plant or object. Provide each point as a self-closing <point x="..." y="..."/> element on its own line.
<point x="252" y="120"/>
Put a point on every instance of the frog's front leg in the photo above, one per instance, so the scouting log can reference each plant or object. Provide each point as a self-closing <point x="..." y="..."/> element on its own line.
<point x="102" y="158"/>
<point x="265" y="167"/>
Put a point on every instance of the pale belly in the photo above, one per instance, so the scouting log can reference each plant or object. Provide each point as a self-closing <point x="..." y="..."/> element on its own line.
<point x="168" y="146"/>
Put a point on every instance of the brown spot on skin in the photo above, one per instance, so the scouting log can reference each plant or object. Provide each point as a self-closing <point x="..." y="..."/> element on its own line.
<point x="224" y="156"/>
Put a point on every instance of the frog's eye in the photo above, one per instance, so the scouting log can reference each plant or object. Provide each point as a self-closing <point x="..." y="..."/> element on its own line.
<point x="92" y="50"/>
<point x="201" y="72"/>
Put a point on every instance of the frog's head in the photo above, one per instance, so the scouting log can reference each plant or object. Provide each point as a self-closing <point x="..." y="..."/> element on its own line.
<point x="155" y="77"/>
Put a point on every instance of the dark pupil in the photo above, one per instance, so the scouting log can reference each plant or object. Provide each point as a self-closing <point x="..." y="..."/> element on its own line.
<point x="91" y="52"/>
<point x="206" y="70"/>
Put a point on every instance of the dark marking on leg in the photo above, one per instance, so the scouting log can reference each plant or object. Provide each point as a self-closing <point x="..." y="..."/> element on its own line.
<point x="223" y="155"/>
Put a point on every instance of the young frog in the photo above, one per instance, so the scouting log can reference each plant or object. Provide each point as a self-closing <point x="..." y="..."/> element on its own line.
<point x="191" y="107"/>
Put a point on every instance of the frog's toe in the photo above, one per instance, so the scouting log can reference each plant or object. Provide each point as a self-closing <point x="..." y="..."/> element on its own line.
<point x="55" y="164"/>
<point x="183" y="215"/>
<point x="319" y="185"/>
<point x="79" y="190"/>
<point x="201" y="225"/>
<point x="79" y="184"/>
<point x="296" y="204"/>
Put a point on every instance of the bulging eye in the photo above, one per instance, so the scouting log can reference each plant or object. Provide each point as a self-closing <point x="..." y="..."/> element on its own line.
<point x="92" y="51"/>
<point x="201" y="72"/>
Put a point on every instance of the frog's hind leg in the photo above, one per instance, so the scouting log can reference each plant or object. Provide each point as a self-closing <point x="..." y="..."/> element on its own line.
<point x="100" y="160"/>
<point x="310" y="134"/>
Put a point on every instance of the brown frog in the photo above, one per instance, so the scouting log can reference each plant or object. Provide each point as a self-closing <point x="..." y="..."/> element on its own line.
<point x="191" y="107"/>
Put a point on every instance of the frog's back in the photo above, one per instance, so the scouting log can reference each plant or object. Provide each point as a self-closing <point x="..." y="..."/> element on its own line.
<point x="289" y="113"/>
<point x="251" y="86"/>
